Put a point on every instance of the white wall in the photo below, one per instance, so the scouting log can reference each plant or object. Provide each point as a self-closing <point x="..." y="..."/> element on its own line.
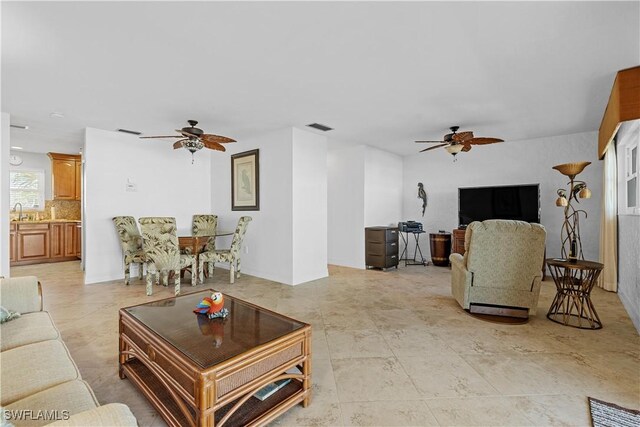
<point x="511" y="162"/>
<point x="365" y="189"/>
<point x="287" y="239"/>
<point x="345" y="204"/>
<point x="167" y="185"/>
<point x="309" y="194"/>
<point x="37" y="161"/>
<point x="5" y="143"/>
<point x="628" y="235"/>
<point x="267" y="248"/>
<point x="382" y="188"/>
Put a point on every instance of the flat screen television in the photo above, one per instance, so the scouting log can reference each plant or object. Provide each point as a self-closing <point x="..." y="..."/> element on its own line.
<point x="518" y="202"/>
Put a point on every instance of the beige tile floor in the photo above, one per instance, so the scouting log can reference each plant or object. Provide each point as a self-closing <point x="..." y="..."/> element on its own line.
<point x="389" y="348"/>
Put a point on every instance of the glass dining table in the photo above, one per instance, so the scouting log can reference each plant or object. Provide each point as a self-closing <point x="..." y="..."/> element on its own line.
<point x="196" y="244"/>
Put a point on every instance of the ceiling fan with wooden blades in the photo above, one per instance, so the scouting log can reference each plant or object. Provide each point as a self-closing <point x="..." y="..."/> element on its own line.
<point x="455" y="142"/>
<point x="194" y="139"/>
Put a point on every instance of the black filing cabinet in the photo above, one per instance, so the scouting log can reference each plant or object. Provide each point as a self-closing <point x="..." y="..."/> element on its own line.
<point x="381" y="247"/>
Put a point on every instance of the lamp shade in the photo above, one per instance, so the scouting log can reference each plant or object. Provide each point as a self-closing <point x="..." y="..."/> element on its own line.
<point x="571" y="169"/>
<point x="454" y="148"/>
<point x="561" y="201"/>
<point x="584" y="193"/>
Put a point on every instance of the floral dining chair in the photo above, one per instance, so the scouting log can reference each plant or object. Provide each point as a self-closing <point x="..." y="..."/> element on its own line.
<point x="205" y="225"/>
<point x="231" y="255"/>
<point x="160" y="243"/>
<point x="131" y="243"/>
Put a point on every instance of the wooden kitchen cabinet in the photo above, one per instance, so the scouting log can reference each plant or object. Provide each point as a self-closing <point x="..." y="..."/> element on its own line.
<point x="57" y="231"/>
<point x="66" y="176"/>
<point x="79" y="240"/>
<point x="12" y="243"/>
<point x="43" y="242"/>
<point x="70" y="246"/>
<point x="32" y="242"/>
<point x="78" y="193"/>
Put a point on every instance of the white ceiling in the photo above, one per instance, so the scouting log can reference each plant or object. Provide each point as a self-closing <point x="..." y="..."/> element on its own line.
<point x="380" y="73"/>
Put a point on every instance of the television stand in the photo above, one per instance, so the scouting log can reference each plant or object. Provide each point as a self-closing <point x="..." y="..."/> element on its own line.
<point x="458" y="241"/>
<point x="458" y="247"/>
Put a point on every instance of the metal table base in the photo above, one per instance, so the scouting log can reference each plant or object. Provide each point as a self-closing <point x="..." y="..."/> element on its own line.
<point x="416" y="250"/>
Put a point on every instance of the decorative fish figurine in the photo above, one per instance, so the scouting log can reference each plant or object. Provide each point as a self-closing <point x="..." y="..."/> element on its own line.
<point x="213" y="307"/>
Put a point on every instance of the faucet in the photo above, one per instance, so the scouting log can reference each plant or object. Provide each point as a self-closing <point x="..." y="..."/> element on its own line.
<point x="20" y="214"/>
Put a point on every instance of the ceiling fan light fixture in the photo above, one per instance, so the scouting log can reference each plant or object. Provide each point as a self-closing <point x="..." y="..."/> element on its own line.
<point x="454" y="149"/>
<point x="193" y="145"/>
<point x="194" y="139"/>
<point x="455" y="142"/>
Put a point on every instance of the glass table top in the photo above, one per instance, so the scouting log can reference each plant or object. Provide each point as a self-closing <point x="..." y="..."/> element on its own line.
<point x="211" y="341"/>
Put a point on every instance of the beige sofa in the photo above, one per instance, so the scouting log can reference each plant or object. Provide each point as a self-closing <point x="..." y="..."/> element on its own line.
<point x="39" y="382"/>
<point x="501" y="265"/>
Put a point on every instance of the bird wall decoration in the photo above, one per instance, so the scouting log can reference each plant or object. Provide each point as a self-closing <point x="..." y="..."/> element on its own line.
<point x="422" y="195"/>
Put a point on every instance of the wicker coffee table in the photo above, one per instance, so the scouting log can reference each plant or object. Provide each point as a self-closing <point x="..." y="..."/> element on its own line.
<point x="203" y="372"/>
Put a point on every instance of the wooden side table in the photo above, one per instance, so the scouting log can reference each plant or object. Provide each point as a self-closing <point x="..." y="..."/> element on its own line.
<point x="574" y="281"/>
<point x="440" y="248"/>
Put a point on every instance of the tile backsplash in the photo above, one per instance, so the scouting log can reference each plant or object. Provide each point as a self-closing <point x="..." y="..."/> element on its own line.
<point x="65" y="209"/>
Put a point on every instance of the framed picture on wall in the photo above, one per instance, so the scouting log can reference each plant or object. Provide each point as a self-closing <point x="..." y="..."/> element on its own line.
<point x="245" y="181"/>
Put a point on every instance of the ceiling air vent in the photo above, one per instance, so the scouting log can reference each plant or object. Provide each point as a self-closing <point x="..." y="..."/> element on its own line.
<point x="132" y="132"/>
<point x="318" y="126"/>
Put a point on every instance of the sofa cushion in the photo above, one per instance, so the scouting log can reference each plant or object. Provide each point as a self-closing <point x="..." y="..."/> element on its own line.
<point x="32" y="368"/>
<point x="28" y="329"/>
<point x="65" y="399"/>
<point x="21" y="294"/>
<point x="113" y="414"/>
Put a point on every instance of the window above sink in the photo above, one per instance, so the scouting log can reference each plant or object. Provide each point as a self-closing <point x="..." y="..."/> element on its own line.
<point x="26" y="186"/>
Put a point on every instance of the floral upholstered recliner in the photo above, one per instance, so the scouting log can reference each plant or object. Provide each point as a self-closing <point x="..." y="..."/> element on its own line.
<point x="131" y="243"/>
<point x="231" y="255"/>
<point x="501" y="265"/>
<point x="160" y="244"/>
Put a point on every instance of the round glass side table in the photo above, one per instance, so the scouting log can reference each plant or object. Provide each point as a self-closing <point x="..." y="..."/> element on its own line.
<point x="574" y="281"/>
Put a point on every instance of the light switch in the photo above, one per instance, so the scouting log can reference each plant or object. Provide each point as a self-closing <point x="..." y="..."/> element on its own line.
<point x="131" y="185"/>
